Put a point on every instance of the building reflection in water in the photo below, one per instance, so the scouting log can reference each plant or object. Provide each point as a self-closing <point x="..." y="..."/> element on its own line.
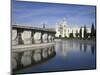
<point x="87" y="47"/>
<point x="65" y="47"/>
<point x="31" y="58"/>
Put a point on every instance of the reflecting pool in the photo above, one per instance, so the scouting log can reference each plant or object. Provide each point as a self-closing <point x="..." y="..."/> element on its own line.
<point x="64" y="56"/>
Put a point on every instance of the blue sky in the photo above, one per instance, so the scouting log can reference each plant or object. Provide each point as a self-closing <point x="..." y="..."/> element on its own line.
<point x="33" y="13"/>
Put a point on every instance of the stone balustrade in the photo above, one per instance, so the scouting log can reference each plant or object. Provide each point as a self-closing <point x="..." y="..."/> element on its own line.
<point x="27" y="35"/>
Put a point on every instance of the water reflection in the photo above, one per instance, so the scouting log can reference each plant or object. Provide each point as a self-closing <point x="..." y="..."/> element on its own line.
<point x="92" y="49"/>
<point x="66" y="54"/>
<point x="32" y="57"/>
<point x="85" y="47"/>
<point x="65" y="47"/>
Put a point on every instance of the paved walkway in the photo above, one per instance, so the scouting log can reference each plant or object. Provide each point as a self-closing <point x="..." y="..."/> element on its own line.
<point x="21" y="48"/>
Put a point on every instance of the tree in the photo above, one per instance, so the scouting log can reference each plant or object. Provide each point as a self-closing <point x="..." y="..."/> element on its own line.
<point x="71" y="34"/>
<point x="95" y="33"/>
<point x="80" y="34"/>
<point x="76" y="34"/>
<point x="85" y="32"/>
<point x="59" y="36"/>
<point x="92" y="31"/>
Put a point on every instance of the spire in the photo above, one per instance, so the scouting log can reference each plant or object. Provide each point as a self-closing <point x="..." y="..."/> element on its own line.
<point x="64" y="22"/>
<point x="44" y="25"/>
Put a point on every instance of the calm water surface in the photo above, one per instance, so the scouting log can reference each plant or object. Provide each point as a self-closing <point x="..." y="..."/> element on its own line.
<point x="69" y="55"/>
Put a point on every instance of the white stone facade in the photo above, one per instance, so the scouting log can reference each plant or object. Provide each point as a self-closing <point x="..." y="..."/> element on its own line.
<point x="64" y="30"/>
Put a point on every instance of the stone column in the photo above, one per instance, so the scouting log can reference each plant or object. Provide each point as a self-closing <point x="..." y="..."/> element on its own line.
<point x="14" y="37"/>
<point x="52" y="37"/>
<point x="32" y="36"/>
<point x="20" y="41"/>
<point x="48" y="37"/>
<point x="41" y="37"/>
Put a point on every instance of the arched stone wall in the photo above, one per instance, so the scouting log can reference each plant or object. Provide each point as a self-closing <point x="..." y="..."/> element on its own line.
<point x="26" y="37"/>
